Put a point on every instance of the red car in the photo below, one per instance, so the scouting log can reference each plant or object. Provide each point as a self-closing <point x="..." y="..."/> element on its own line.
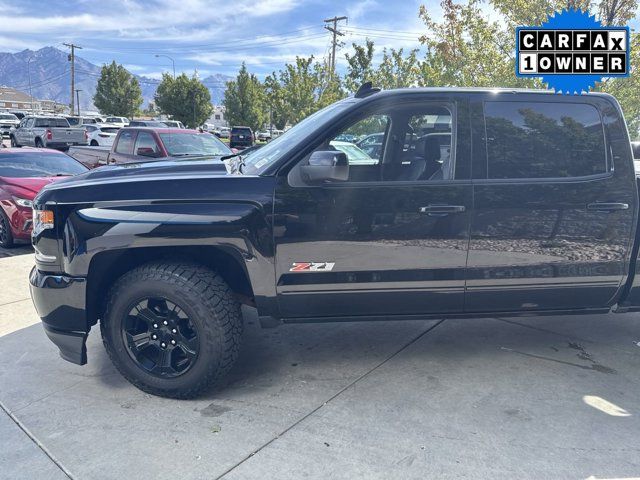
<point x="23" y="173"/>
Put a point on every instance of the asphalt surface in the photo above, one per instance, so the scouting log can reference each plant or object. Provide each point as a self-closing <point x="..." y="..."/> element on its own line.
<point x="536" y="398"/>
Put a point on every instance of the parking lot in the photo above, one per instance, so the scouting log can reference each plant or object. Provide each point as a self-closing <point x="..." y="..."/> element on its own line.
<point x="493" y="398"/>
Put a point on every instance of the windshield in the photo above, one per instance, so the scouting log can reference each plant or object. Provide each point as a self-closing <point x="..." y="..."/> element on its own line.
<point x="109" y="129"/>
<point x="183" y="144"/>
<point x="8" y="116"/>
<point x="73" y="121"/>
<point x="260" y="160"/>
<point x="26" y="165"/>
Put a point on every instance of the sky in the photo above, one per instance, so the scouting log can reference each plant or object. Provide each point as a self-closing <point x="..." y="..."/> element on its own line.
<point x="211" y="36"/>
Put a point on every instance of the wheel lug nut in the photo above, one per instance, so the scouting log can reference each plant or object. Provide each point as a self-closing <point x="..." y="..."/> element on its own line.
<point x="155" y="325"/>
<point x="154" y="336"/>
<point x="163" y="344"/>
<point x="165" y="323"/>
<point x="174" y="331"/>
<point x="173" y="342"/>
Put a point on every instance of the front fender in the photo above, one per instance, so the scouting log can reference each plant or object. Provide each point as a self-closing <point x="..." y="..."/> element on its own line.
<point x="237" y="227"/>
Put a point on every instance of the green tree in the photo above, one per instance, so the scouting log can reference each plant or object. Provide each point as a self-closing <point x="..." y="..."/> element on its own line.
<point x="359" y="66"/>
<point x="118" y="92"/>
<point x="244" y="101"/>
<point x="274" y="98"/>
<point x="397" y="70"/>
<point x="184" y="98"/>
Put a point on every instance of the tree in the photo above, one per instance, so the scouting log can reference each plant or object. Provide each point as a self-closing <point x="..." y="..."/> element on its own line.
<point x="118" y="92"/>
<point x="274" y="95"/>
<point x="184" y="98"/>
<point x="244" y="100"/>
<point x="397" y="70"/>
<point x="359" y="66"/>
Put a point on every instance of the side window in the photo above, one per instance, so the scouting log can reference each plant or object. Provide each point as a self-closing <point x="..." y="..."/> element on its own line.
<point x="405" y="143"/>
<point x="146" y="145"/>
<point x="363" y="141"/>
<point x="543" y="140"/>
<point x="30" y="122"/>
<point x="125" y="142"/>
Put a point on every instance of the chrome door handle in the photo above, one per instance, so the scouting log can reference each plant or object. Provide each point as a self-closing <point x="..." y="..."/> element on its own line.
<point x="607" y="206"/>
<point x="442" y="210"/>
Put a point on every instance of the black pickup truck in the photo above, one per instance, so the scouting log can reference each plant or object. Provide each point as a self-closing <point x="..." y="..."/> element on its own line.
<point x="478" y="203"/>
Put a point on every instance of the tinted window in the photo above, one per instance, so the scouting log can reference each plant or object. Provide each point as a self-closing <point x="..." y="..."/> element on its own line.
<point x="125" y="142"/>
<point x="73" y="121"/>
<point x="543" y="140"/>
<point x="21" y="165"/>
<point x="52" y="122"/>
<point x="241" y="131"/>
<point x="185" y="144"/>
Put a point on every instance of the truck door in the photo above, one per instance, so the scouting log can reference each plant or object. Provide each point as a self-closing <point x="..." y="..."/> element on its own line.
<point x="25" y="135"/>
<point x="122" y="150"/>
<point x="392" y="237"/>
<point x="555" y="204"/>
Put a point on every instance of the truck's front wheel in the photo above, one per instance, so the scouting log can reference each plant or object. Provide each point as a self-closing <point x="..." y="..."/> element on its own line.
<point x="172" y="329"/>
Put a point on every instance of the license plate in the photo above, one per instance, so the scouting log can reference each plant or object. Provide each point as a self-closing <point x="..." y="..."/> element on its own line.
<point x="241" y="136"/>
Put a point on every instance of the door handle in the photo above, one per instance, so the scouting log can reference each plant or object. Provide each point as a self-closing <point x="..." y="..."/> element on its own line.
<point x="607" y="206"/>
<point x="442" y="210"/>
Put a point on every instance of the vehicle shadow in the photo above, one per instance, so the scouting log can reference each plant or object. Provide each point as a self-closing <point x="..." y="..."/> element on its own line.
<point x="15" y="251"/>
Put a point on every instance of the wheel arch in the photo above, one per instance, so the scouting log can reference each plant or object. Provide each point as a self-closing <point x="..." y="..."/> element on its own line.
<point x="107" y="267"/>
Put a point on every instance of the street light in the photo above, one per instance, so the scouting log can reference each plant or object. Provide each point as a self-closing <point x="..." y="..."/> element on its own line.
<point x="172" y="62"/>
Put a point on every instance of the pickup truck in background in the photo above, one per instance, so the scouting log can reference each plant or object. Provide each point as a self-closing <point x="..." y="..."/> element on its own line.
<point x="144" y="144"/>
<point x="47" y="132"/>
<point x="8" y="123"/>
<point x="482" y="202"/>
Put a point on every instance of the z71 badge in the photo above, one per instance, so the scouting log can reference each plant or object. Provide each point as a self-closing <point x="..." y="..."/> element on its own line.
<point x="311" y="267"/>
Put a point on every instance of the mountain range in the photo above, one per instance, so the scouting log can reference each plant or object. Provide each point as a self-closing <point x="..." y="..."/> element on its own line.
<point x="50" y="72"/>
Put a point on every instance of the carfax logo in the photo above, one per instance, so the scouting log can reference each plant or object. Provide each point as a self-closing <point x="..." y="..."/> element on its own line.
<point x="572" y="51"/>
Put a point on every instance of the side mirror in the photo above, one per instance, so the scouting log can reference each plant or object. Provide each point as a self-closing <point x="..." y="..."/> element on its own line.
<point x="146" y="152"/>
<point x="326" y="166"/>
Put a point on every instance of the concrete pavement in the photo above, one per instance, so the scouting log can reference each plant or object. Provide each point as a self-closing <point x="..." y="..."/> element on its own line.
<point x="494" y="398"/>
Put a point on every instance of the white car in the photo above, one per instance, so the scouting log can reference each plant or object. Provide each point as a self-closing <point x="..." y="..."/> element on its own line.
<point x="117" y="121"/>
<point x="101" y="135"/>
<point x="173" y="124"/>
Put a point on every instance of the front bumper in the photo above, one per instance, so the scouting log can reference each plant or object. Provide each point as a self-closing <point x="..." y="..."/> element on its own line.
<point x="60" y="301"/>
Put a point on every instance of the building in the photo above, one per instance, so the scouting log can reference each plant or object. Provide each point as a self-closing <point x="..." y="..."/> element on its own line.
<point x="12" y="99"/>
<point x="217" y="117"/>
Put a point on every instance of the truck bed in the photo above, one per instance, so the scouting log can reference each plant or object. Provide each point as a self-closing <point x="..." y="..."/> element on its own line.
<point x="91" y="157"/>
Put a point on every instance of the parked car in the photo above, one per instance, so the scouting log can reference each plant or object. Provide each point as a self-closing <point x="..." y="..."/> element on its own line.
<point x="224" y="132"/>
<point x="117" y="121"/>
<point x="7" y="122"/>
<point x="372" y="144"/>
<point x="81" y="121"/>
<point x="264" y="136"/>
<point x="144" y="144"/>
<point x="355" y="155"/>
<point x="173" y="124"/>
<point x="18" y="114"/>
<point x="526" y="215"/>
<point x="47" y="132"/>
<point x="636" y="150"/>
<point x="23" y="172"/>
<point x="147" y="123"/>
<point x="241" y="137"/>
<point x="101" y="135"/>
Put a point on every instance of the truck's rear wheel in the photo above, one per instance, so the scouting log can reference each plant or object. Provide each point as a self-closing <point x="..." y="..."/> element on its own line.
<point x="172" y="329"/>
<point x="14" y="142"/>
<point x="39" y="143"/>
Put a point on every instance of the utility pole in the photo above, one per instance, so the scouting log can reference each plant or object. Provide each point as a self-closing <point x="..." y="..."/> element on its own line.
<point x="72" y="59"/>
<point x="78" y="97"/>
<point x="335" y="32"/>
<point x="29" y="74"/>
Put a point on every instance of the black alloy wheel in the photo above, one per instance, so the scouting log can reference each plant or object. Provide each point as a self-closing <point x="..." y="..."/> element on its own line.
<point x="160" y="337"/>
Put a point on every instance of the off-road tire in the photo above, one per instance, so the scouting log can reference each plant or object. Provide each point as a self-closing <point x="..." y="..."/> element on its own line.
<point x="14" y="142"/>
<point x="6" y="240"/>
<point x="206" y="299"/>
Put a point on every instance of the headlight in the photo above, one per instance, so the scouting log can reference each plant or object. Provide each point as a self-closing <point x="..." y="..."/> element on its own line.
<point x="23" y="202"/>
<point x="42" y="220"/>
